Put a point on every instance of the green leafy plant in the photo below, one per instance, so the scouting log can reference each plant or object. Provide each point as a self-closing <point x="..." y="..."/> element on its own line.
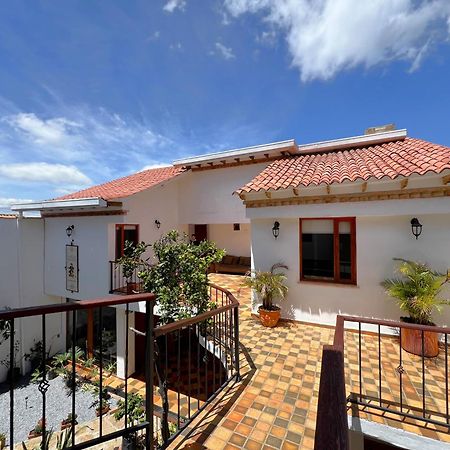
<point x="111" y="367"/>
<point x="417" y="291"/>
<point x="89" y="363"/>
<point x="132" y="258"/>
<point x="69" y="418"/>
<point x="94" y="389"/>
<point x="63" y="441"/>
<point x="269" y="286"/>
<point x="135" y="409"/>
<point x="179" y="278"/>
<point x="2" y="440"/>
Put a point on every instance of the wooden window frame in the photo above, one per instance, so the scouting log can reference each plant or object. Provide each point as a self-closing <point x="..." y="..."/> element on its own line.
<point x="122" y="226"/>
<point x="337" y="279"/>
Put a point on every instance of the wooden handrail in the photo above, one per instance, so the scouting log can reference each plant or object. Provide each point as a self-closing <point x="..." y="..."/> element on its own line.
<point x="173" y="326"/>
<point x="392" y="324"/>
<point x="54" y="308"/>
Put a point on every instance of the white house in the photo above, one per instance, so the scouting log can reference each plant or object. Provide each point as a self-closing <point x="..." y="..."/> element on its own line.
<point x="344" y="210"/>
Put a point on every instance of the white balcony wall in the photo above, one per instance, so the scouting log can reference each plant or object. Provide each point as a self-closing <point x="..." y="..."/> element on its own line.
<point x="383" y="232"/>
<point x="206" y="197"/>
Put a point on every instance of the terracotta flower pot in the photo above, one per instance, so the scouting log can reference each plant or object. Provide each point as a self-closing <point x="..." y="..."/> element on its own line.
<point x="103" y="411"/>
<point x="412" y="342"/>
<point x="32" y="434"/>
<point x="269" y="318"/>
<point x="67" y="424"/>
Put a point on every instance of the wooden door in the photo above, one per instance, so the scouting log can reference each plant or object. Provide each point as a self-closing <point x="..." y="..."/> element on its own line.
<point x="201" y="232"/>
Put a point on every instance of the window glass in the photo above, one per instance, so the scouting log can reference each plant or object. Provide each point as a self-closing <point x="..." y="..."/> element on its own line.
<point x="318" y="249"/>
<point x="125" y="233"/>
<point x="320" y="240"/>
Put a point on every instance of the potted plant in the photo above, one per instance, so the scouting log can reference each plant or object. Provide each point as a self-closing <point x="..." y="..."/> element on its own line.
<point x="268" y="286"/>
<point x="2" y="441"/>
<point x="101" y="405"/>
<point x="417" y="293"/>
<point x="67" y="422"/>
<point x="38" y="430"/>
<point x="130" y="261"/>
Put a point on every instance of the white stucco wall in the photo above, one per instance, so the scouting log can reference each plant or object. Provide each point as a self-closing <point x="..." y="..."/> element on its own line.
<point x="22" y="285"/>
<point x="91" y="236"/>
<point x="9" y="273"/>
<point x="236" y="243"/>
<point x="159" y="203"/>
<point x="381" y="234"/>
<point x="206" y="196"/>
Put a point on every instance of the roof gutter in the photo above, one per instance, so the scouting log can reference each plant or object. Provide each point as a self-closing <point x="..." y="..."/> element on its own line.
<point x="275" y="147"/>
<point x="355" y="141"/>
<point x="94" y="202"/>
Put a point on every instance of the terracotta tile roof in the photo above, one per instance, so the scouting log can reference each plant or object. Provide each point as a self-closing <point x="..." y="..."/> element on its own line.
<point x="8" y="216"/>
<point x="390" y="159"/>
<point x="126" y="186"/>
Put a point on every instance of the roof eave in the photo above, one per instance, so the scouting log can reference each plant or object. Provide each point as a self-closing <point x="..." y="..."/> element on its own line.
<point x="91" y="202"/>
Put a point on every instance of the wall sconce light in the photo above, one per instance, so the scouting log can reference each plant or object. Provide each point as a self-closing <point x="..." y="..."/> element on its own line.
<point x="276" y="229"/>
<point x="416" y="227"/>
<point x="69" y="230"/>
<point x="158" y="224"/>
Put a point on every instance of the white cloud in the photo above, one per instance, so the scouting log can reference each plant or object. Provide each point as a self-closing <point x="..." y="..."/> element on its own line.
<point x="172" y="5"/>
<point x="154" y="36"/>
<point x="176" y="46"/>
<point x="46" y="132"/>
<point x="41" y="172"/>
<point x="5" y="203"/>
<point x="223" y="51"/>
<point x="329" y="36"/>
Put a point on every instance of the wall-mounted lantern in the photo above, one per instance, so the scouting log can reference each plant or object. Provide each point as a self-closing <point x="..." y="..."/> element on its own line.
<point x="416" y="227"/>
<point x="158" y="224"/>
<point x="69" y="230"/>
<point x="276" y="229"/>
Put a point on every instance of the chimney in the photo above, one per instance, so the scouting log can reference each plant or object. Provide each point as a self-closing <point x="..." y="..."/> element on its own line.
<point x="380" y="129"/>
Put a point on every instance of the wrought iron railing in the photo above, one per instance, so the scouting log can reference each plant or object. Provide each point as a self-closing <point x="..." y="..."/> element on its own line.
<point x="188" y="362"/>
<point x="380" y="376"/>
<point x="195" y="359"/>
<point x="119" y="284"/>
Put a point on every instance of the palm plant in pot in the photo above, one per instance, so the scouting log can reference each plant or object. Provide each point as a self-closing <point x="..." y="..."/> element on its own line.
<point x="269" y="286"/>
<point x="417" y="292"/>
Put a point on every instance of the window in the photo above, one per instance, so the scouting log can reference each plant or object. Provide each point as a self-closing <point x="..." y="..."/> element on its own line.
<point x="328" y="250"/>
<point x="125" y="233"/>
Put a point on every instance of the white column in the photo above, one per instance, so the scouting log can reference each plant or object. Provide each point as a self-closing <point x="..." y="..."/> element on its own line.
<point x="121" y="342"/>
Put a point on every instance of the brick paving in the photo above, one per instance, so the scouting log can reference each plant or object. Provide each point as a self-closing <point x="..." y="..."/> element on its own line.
<point x="275" y="405"/>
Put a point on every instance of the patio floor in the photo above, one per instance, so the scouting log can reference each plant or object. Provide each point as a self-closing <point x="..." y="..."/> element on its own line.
<point x="275" y="405"/>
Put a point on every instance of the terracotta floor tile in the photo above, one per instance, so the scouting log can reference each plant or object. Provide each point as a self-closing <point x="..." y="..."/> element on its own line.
<point x="277" y="405"/>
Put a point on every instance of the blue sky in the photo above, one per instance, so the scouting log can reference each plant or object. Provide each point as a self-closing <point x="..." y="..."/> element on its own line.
<point x="91" y="91"/>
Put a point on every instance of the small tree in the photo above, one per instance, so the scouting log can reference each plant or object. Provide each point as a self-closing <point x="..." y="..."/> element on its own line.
<point x="179" y="278"/>
<point x="417" y="292"/>
<point x="132" y="258"/>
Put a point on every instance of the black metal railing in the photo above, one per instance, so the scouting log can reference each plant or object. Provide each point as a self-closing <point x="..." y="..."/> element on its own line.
<point x="188" y="362"/>
<point x="195" y="359"/>
<point x="119" y="284"/>
<point x="381" y="377"/>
